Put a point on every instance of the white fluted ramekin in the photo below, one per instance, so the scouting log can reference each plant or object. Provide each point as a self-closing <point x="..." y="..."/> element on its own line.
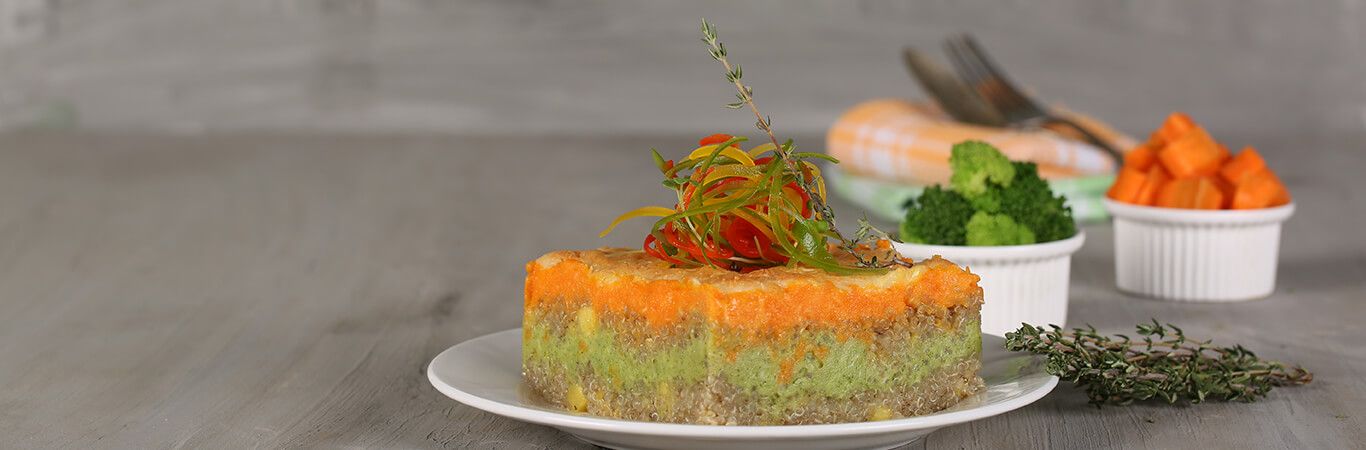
<point x="1197" y="255"/>
<point x="1020" y="283"/>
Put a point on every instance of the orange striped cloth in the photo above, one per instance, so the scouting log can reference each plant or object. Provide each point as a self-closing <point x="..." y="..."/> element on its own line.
<point x="899" y="140"/>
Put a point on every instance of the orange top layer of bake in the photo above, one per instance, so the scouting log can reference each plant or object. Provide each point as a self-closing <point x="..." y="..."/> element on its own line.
<point x="771" y="299"/>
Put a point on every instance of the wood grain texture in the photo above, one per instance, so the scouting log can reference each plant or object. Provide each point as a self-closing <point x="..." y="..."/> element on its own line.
<point x="270" y="290"/>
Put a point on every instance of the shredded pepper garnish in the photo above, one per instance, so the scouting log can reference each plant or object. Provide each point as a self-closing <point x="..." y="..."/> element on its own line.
<point x="741" y="210"/>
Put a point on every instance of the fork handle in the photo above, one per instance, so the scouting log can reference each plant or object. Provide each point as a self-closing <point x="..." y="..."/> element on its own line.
<point x="1091" y="137"/>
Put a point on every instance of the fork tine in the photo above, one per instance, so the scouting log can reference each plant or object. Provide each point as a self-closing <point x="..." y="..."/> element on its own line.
<point x="982" y="76"/>
<point x="960" y="64"/>
<point x="973" y="72"/>
<point x="965" y="66"/>
<point x="1012" y="105"/>
<point x="1007" y="88"/>
<point x="961" y="101"/>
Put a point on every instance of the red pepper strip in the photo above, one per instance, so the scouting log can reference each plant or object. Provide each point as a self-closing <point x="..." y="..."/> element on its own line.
<point x="687" y="195"/>
<point x="769" y="252"/>
<point x="718" y="253"/>
<point x="712" y="251"/>
<point x="806" y="198"/>
<point x="690" y="188"/>
<point x="762" y="161"/>
<point x="683" y="242"/>
<point x="655" y="251"/>
<point x="714" y="139"/>
<point x="749" y="242"/>
<point x="671" y="235"/>
<point x="741" y="235"/>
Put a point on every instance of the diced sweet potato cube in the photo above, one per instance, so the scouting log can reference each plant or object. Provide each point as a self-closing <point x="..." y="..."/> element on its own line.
<point x="1208" y="195"/>
<point x="1191" y="193"/>
<point x="1141" y="157"/>
<point x="1127" y="185"/>
<point x="1193" y="154"/>
<point x="1178" y="193"/>
<point x="1260" y="190"/>
<point x="1282" y="196"/>
<point x="1155" y="140"/>
<point x="1247" y="163"/>
<point x="1155" y="179"/>
<point x="1226" y="189"/>
<point x="1176" y="125"/>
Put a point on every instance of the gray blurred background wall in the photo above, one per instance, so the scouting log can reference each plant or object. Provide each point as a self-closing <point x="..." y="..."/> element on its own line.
<point x="1252" y="67"/>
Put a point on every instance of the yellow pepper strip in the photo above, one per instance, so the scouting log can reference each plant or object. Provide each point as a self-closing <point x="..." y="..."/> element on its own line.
<point x="816" y="174"/>
<point x="716" y="199"/>
<point x="815" y="171"/>
<point x="760" y="149"/>
<point x="732" y="170"/>
<point x="644" y="211"/>
<point x="730" y="152"/>
<point x="793" y="199"/>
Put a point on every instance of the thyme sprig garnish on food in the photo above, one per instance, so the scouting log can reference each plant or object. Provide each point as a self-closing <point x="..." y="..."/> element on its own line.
<point x="749" y="209"/>
<point x="864" y="241"/>
<point x="1164" y="364"/>
<point x="734" y="74"/>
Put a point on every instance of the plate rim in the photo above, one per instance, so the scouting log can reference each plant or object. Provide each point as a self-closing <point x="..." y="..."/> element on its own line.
<point x="602" y="424"/>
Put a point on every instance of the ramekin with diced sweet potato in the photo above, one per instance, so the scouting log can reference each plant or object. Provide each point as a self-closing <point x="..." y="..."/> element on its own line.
<point x="1194" y="222"/>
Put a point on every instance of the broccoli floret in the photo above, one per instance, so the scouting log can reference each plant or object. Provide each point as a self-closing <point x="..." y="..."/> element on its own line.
<point x="1006" y="200"/>
<point x="989" y="200"/>
<point x="976" y="167"/>
<point x="985" y="228"/>
<point x="1031" y="203"/>
<point x="936" y="217"/>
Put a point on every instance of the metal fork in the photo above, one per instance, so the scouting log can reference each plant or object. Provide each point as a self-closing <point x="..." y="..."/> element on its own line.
<point x="956" y="98"/>
<point x="978" y="71"/>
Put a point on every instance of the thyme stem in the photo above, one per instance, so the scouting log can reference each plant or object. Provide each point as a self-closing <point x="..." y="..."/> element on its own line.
<point x="1164" y="364"/>
<point x="745" y="95"/>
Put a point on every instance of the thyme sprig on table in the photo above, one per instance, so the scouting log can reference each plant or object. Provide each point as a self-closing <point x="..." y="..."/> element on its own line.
<point x="1163" y="364"/>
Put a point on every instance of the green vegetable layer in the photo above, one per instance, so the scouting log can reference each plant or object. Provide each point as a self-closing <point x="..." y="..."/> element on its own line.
<point x="600" y="353"/>
<point x="844" y="367"/>
<point x="851" y="366"/>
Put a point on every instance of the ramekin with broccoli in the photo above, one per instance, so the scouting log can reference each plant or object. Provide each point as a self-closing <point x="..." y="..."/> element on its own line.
<point x="990" y="200"/>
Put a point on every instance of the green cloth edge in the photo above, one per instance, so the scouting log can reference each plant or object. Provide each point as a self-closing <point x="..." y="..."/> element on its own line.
<point x="884" y="199"/>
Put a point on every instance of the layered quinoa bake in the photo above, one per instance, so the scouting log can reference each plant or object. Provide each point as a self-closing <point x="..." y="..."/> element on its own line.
<point x="617" y="333"/>
<point x="746" y="305"/>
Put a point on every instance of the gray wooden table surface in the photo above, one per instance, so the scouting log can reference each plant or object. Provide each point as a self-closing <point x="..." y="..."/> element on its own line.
<point x="266" y="290"/>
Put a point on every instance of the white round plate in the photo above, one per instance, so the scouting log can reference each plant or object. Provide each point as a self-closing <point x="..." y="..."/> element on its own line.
<point x="486" y="373"/>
